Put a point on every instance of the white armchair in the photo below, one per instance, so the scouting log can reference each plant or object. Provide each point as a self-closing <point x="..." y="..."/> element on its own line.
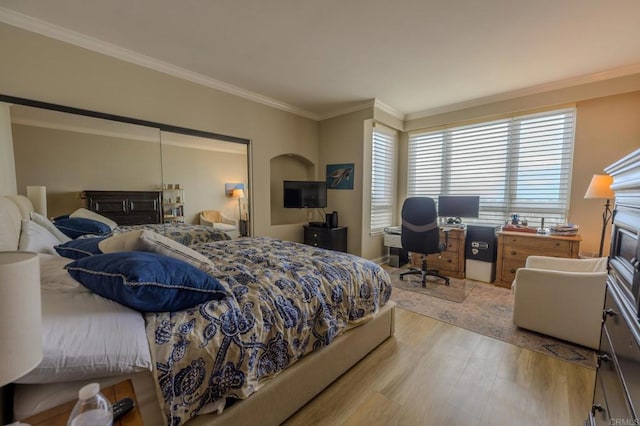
<point x="217" y="220"/>
<point x="563" y="298"/>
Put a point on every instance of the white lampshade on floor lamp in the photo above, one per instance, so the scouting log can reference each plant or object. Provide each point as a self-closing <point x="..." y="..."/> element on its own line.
<point x="20" y="315"/>
<point x="600" y="187"/>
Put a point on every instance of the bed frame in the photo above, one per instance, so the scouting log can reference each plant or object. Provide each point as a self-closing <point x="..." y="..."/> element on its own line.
<point x="278" y="399"/>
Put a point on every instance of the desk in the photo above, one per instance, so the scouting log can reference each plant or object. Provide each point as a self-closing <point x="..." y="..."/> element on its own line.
<point x="515" y="247"/>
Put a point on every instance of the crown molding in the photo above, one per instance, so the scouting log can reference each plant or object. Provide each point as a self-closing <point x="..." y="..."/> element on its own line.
<point x="347" y="110"/>
<point x="528" y="91"/>
<point x="389" y="110"/>
<point x="373" y="103"/>
<point x="38" y="26"/>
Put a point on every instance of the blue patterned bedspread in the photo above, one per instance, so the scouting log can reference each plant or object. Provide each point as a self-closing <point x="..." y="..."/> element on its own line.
<point x="183" y="233"/>
<point x="287" y="299"/>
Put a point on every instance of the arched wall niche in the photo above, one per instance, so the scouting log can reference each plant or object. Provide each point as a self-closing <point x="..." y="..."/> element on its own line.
<point x="288" y="167"/>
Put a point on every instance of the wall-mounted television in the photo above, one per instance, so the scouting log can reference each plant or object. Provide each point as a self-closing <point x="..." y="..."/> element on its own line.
<point x="458" y="205"/>
<point x="305" y="193"/>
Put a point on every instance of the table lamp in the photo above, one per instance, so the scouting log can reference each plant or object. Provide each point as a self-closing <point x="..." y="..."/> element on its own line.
<point x="20" y="315"/>
<point x="600" y="187"/>
<point x="38" y="197"/>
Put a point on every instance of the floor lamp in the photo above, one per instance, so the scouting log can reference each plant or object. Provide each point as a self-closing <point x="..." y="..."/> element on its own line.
<point x="600" y="187"/>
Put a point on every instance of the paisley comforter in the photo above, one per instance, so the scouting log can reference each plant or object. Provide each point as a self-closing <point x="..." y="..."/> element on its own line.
<point x="183" y="233"/>
<point x="286" y="300"/>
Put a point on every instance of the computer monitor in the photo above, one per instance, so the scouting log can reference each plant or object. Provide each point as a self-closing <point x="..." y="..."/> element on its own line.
<point x="458" y="206"/>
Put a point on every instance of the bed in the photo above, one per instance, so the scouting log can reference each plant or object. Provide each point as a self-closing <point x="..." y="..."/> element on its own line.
<point x="183" y="233"/>
<point x="190" y="378"/>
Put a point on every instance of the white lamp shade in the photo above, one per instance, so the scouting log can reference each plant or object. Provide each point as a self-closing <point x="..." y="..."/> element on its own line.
<point x="600" y="187"/>
<point x="20" y="315"/>
<point x="38" y="197"/>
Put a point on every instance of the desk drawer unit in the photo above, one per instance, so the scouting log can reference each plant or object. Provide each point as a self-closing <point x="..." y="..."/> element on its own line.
<point x="451" y="261"/>
<point x="515" y="248"/>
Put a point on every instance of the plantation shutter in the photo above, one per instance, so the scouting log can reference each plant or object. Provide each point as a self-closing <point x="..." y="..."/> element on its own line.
<point x="517" y="165"/>
<point x="382" y="178"/>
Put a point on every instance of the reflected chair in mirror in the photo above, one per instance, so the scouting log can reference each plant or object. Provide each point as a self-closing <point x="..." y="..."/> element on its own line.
<point x="217" y="220"/>
<point x="421" y="234"/>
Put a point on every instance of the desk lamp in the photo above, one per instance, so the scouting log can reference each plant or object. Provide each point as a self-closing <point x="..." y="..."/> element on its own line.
<point x="600" y="187"/>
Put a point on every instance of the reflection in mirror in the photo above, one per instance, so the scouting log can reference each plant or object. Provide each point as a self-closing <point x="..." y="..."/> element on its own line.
<point x="201" y="167"/>
<point x="70" y="153"/>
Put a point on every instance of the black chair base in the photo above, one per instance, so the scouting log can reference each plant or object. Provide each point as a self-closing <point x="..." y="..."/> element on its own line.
<point x="424" y="272"/>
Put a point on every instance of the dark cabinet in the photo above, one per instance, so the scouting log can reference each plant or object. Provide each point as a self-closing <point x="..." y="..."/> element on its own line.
<point x="328" y="238"/>
<point x="126" y="207"/>
<point x="616" y="399"/>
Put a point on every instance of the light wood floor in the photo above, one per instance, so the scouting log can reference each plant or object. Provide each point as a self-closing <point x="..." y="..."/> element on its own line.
<point x="433" y="373"/>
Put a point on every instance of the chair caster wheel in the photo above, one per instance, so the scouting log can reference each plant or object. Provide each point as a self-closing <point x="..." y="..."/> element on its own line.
<point x="424" y="285"/>
<point x="401" y="278"/>
<point x="446" y="282"/>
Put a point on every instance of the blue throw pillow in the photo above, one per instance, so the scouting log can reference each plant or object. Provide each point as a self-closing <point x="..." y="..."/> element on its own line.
<point x="146" y="282"/>
<point x="79" y="248"/>
<point x="74" y="227"/>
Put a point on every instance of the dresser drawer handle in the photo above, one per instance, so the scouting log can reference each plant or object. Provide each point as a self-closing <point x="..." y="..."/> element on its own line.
<point x="608" y="313"/>
<point x="315" y="235"/>
<point x="513" y="252"/>
<point x="603" y="358"/>
<point x="596" y="407"/>
<point x="512" y="270"/>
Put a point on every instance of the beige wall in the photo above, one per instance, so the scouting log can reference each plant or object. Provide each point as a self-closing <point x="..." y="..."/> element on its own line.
<point x="607" y="129"/>
<point x="36" y="67"/>
<point x="201" y="175"/>
<point x="69" y="162"/>
<point x="342" y="140"/>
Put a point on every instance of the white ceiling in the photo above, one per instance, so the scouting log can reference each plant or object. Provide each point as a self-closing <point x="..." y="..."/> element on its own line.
<point x="318" y="58"/>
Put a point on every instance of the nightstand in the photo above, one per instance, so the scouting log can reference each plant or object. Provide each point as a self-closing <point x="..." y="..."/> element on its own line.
<point x="58" y="416"/>
<point x="328" y="238"/>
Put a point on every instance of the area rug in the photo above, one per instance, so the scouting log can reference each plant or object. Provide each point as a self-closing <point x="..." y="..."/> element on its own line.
<point x="456" y="291"/>
<point x="488" y="310"/>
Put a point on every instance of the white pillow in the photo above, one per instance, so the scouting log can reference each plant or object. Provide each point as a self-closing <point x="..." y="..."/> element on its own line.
<point x="88" y="214"/>
<point x="54" y="277"/>
<point x="145" y="240"/>
<point x="86" y="336"/>
<point x="49" y="226"/>
<point x="34" y="237"/>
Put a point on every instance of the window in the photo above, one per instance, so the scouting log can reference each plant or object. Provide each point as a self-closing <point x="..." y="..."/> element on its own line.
<point x="516" y="165"/>
<point x="382" y="177"/>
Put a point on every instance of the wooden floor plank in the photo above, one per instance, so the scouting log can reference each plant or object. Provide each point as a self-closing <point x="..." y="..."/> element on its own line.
<point x="433" y="373"/>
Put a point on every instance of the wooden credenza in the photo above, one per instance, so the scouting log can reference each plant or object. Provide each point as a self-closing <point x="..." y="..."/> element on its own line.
<point x="126" y="207"/>
<point x="515" y="247"/>
<point x="451" y="261"/>
<point x="616" y="399"/>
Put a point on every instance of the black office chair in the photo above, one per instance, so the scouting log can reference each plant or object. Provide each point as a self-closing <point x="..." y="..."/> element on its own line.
<point x="420" y="234"/>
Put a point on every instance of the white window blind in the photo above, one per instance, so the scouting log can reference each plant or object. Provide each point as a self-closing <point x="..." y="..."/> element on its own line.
<point x="520" y="165"/>
<point x="382" y="178"/>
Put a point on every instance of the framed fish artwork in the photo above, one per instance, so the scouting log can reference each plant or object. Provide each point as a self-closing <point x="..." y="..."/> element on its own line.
<point x="340" y="176"/>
